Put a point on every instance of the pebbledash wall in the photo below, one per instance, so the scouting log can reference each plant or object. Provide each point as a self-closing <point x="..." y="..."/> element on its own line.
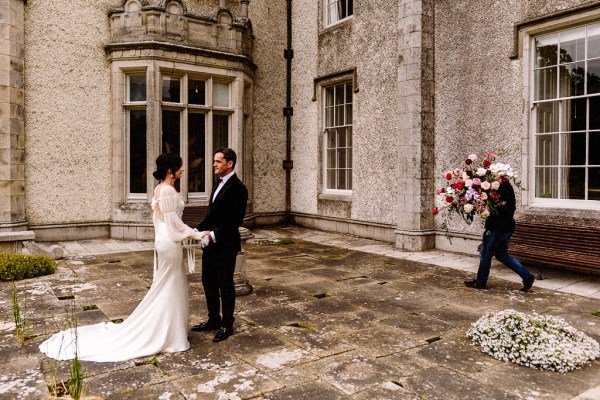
<point x="431" y="82"/>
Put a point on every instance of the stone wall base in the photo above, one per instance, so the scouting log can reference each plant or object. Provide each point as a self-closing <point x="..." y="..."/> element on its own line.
<point x="415" y="240"/>
<point x="12" y="242"/>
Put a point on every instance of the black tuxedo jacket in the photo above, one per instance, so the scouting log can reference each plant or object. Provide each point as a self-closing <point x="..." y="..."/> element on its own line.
<point x="225" y="215"/>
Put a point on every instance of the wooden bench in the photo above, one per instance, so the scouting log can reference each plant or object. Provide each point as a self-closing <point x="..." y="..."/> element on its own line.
<point x="192" y="216"/>
<point x="569" y="247"/>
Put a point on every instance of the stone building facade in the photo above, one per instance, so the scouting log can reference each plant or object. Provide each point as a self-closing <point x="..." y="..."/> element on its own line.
<point x="343" y="112"/>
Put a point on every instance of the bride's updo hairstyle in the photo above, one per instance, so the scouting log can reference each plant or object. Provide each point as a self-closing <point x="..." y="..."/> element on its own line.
<point x="166" y="162"/>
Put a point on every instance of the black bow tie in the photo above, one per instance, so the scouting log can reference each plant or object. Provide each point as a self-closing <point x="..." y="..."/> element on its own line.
<point x="219" y="181"/>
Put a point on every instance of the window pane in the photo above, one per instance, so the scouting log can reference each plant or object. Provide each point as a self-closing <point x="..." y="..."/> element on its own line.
<point x="339" y="115"/>
<point x="574" y="115"/>
<point x="331" y="158"/>
<point x="593" y="76"/>
<point x="594" y="149"/>
<point x="593" y="41"/>
<point x="545" y="83"/>
<point x="573" y="148"/>
<point x="348" y="93"/>
<point x="594" y="184"/>
<point x="220" y="131"/>
<point x="329" y="117"/>
<point x="171" y="123"/>
<point x="547" y="150"/>
<point x="341" y="158"/>
<point x="220" y="94"/>
<point x="171" y="89"/>
<point x="196" y="152"/>
<point x="137" y="87"/>
<point x="341" y="179"/>
<point x="572" y="45"/>
<point x="329" y="97"/>
<point x="546" y="50"/>
<point x="339" y="95"/>
<point x="341" y="137"/>
<point x="331" y="139"/>
<point x="196" y="92"/>
<point x="594" y="112"/>
<point x="348" y="114"/>
<point x="546" y="182"/>
<point x="572" y="79"/>
<point x="331" y="179"/>
<point x="547" y="117"/>
<point x="137" y="151"/>
<point x="573" y="183"/>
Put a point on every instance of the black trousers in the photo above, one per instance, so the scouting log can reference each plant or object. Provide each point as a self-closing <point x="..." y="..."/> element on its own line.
<point x="218" y="267"/>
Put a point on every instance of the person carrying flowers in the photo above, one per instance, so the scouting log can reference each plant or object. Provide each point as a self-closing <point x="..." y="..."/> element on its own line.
<point x="484" y="189"/>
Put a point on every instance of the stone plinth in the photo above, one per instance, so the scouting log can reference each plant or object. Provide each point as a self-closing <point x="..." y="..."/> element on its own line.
<point x="242" y="286"/>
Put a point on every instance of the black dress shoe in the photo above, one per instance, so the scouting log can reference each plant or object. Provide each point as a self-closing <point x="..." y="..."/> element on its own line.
<point x="205" y="326"/>
<point x="528" y="283"/>
<point x="473" y="284"/>
<point x="223" y="334"/>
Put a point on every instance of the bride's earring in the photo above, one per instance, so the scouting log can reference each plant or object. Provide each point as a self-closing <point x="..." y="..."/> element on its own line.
<point x="172" y="176"/>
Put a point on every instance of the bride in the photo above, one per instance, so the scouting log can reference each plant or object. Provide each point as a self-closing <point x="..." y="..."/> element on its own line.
<point x="160" y="322"/>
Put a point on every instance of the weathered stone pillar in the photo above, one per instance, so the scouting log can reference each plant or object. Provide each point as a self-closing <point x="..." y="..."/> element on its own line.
<point x="12" y="125"/>
<point x="242" y="286"/>
<point x="415" y="228"/>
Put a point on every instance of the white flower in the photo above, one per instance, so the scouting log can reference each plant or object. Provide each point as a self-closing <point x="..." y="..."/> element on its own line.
<point x="468" y="208"/>
<point x="537" y="341"/>
<point x="481" y="171"/>
<point x="485" y="185"/>
<point x="465" y="176"/>
<point x="495" y="185"/>
<point x="484" y="213"/>
<point x="484" y="196"/>
<point x="468" y="182"/>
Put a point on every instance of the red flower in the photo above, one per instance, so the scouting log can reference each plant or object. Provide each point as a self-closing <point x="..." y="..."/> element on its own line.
<point x="434" y="211"/>
<point x="449" y="199"/>
<point x="487" y="163"/>
<point x="458" y="185"/>
<point x="448" y="175"/>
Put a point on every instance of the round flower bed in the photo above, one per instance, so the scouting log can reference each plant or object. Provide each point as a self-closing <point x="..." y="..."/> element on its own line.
<point x="537" y="341"/>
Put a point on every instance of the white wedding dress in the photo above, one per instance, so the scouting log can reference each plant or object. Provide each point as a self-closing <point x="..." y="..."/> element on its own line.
<point x="159" y="324"/>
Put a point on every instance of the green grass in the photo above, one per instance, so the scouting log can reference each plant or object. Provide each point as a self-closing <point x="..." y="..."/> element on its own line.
<point x="90" y="307"/>
<point x="595" y="313"/>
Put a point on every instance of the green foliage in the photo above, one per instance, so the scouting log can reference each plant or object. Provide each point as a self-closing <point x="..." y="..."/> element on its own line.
<point x="90" y="307"/>
<point x="285" y="241"/>
<point x="14" y="266"/>
<point x="76" y="379"/>
<point x="20" y="318"/>
<point x="595" y="313"/>
<point x="153" y="361"/>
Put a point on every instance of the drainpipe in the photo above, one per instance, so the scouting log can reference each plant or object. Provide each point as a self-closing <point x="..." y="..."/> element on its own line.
<point x="288" y="111"/>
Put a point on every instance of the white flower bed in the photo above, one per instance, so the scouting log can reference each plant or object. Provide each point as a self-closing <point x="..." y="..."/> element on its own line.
<point x="537" y="341"/>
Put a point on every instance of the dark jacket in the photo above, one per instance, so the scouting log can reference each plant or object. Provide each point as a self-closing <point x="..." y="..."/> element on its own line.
<point x="503" y="219"/>
<point x="226" y="215"/>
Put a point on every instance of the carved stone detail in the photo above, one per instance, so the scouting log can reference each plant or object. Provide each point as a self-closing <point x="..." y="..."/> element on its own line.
<point x="170" y="22"/>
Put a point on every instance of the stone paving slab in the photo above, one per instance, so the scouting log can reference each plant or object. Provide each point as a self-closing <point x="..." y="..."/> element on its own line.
<point x="324" y="322"/>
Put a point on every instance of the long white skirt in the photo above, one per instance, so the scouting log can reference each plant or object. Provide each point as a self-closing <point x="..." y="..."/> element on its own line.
<point x="159" y="324"/>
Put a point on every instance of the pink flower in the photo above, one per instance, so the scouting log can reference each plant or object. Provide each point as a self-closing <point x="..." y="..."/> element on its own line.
<point x="485" y="185"/>
<point x="476" y="181"/>
<point x="472" y="157"/>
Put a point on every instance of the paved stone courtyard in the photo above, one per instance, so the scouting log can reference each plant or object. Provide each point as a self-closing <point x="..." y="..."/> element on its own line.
<point x="324" y="322"/>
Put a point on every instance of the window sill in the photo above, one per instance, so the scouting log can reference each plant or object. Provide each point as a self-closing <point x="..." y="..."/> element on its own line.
<point x="335" y="196"/>
<point x="336" y="24"/>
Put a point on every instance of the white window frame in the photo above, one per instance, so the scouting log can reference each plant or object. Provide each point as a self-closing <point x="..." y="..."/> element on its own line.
<point x="347" y="84"/>
<point x="129" y="106"/>
<point x="529" y="36"/>
<point x="328" y="18"/>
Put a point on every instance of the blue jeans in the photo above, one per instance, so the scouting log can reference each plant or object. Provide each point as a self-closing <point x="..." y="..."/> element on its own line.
<point x="495" y="243"/>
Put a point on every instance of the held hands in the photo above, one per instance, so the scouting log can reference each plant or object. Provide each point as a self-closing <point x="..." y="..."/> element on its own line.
<point x="202" y="237"/>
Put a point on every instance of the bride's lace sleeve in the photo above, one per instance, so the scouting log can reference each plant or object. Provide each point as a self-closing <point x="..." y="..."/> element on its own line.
<point x="167" y="202"/>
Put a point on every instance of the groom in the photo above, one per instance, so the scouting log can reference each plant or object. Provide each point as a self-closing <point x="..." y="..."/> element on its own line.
<point x="225" y="215"/>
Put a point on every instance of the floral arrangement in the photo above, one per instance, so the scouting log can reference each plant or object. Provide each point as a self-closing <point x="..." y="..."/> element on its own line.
<point x="471" y="189"/>
<point x="537" y="341"/>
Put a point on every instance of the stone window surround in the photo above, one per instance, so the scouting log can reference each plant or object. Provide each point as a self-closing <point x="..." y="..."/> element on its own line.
<point x="526" y="33"/>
